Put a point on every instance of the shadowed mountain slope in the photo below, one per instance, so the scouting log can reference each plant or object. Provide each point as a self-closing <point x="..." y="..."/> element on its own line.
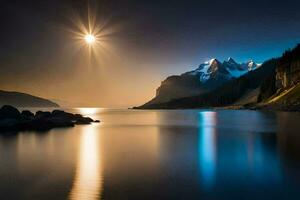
<point x="19" y="99"/>
<point x="207" y="77"/>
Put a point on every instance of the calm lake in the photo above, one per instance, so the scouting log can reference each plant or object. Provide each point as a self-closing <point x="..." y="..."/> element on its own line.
<point x="135" y="154"/>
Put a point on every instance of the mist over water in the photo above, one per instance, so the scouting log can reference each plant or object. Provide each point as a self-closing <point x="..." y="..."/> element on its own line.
<point x="178" y="154"/>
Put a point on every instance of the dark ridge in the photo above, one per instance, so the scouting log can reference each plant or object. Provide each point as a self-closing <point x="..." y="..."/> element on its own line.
<point x="19" y="99"/>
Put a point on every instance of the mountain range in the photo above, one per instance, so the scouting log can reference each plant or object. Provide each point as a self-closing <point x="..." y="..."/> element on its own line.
<point x="207" y="77"/>
<point x="274" y="84"/>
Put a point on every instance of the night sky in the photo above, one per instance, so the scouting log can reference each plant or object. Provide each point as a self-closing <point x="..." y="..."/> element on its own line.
<point x="143" y="42"/>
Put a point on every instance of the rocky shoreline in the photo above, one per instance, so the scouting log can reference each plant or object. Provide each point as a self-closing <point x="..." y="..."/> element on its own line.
<point x="264" y="107"/>
<point x="12" y="120"/>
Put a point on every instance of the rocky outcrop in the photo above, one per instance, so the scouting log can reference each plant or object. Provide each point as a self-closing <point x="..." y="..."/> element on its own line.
<point x="11" y="119"/>
<point x="177" y="87"/>
<point x="281" y="89"/>
<point x="287" y="75"/>
<point x="288" y="70"/>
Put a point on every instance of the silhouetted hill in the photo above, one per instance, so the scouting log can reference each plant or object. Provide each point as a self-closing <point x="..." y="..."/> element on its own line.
<point x="19" y="99"/>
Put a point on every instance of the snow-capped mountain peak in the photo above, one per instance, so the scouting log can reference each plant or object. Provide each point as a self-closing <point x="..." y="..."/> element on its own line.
<point x="230" y="60"/>
<point x="210" y="62"/>
<point x="208" y="76"/>
<point x="228" y="69"/>
<point x="250" y="65"/>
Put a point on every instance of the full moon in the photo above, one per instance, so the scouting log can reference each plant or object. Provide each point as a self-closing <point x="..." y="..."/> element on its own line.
<point x="90" y="39"/>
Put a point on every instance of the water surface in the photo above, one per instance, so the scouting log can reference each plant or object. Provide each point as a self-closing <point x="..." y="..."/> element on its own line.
<point x="179" y="154"/>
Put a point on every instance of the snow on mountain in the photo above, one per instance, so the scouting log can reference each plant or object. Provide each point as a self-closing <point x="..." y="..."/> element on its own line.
<point x="208" y="76"/>
<point x="204" y="70"/>
<point x="252" y="65"/>
<point x="229" y="68"/>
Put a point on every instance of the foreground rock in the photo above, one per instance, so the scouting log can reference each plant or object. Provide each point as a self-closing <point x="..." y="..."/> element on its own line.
<point x="11" y="119"/>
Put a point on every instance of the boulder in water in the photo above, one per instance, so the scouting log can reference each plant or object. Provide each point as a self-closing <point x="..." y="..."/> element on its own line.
<point x="12" y="120"/>
<point x="11" y="112"/>
<point x="26" y="114"/>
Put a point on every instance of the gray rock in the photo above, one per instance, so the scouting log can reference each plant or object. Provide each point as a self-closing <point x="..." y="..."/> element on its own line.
<point x="12" y="120"/>
<point x="84" y="120"/>
<point x="26" y="114"/>
<point x="7" y="111"/>
<point x="42" y="114"/>
<point x="63" y="114"/>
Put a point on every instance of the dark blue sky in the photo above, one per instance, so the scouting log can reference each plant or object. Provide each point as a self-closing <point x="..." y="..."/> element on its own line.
<point x="150" y="40"/>
<point x="257" y="29"/>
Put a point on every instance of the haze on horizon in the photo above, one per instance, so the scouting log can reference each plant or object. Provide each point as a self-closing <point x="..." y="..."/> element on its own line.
<point x="143" y="42"/>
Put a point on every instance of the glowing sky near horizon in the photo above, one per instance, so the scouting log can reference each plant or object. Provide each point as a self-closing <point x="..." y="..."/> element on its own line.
<point x="142" y="42"/>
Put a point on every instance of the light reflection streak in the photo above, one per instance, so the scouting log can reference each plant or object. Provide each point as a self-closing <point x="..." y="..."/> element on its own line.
<point x="88" y="111"/>
<point x="207" y="147"/>
<point x="87" y="184"/>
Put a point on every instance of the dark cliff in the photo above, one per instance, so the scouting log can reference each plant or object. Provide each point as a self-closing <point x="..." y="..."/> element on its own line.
<point x="284" y="78"/>
<point x="282" y="91"/>
<point x="288" y="70"/>
<point x="177" y="87"/>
